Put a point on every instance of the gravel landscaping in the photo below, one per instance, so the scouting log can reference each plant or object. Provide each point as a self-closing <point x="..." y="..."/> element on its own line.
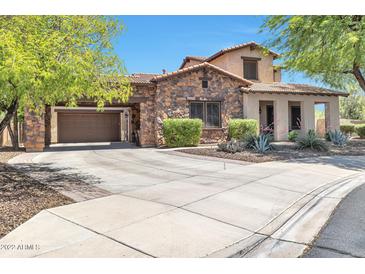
<point x="21" y="196"/>
<point x="283" y="151"/>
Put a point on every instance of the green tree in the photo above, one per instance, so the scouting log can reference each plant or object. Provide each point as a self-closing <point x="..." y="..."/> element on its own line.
<point x="330" y="49"/>
<point x="45" y="60"/>
<point x="353" y="106"/>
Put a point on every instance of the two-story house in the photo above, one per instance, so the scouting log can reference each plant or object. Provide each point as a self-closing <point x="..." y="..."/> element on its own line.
<point x="237" y="82"/>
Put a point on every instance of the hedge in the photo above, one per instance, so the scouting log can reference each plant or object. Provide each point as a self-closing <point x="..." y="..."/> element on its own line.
<point x="360" y="130"/>
<point x="241" y="129"/>
<point x="182" y="132"/>
<point x="347" y="129"/>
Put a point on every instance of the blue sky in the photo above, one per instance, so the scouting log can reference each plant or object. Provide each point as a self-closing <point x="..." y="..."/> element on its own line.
<point x="152" y="43"/>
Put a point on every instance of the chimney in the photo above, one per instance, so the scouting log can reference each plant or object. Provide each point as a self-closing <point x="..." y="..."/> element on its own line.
<point x="164" y="71"/>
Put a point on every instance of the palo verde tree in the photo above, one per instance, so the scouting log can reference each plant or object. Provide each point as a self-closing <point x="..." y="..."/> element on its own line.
<point x="45" y="60"/>
<point x="330" y="49"/>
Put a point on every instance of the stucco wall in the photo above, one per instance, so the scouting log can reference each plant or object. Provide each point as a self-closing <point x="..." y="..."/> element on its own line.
<point x="174" y="94"/>
<point x="277" y="75"/>
<point x="233" y="62"/>
<point x="281" y="110"/>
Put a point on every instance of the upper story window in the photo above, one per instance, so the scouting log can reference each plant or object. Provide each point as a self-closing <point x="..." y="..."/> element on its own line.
<point x="250" y="68"/>
<point x="204" y="83"/>
<point x="208" y="112"/>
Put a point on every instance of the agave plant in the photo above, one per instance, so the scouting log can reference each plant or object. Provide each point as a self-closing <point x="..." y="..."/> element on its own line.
<point x="311" y="141"/>
<point x="338" y="138"/>
<point x="250" y="141"/>
<point x="262" y="143"/>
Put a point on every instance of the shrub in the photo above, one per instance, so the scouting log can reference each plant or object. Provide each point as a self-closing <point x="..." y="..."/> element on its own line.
<point x="182" y="132"/>
<point x="360" y="130"/>
<point x="262" y="143"/>
<point x="232" y="146"/>
<point x="293" y="135"/>
<point x="242" y="129"/>
<point x="311" y="141"/>
<point x="338" y="138"/>
<point x="347" y="129"/>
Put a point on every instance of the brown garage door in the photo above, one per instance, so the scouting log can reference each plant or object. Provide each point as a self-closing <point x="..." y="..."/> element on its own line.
<point x="88" y="127"/>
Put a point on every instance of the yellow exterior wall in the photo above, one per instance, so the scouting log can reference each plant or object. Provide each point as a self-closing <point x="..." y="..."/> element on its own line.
<point x="232" y="62"/>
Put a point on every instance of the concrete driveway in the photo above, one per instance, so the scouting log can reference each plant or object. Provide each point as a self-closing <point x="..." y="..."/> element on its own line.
<point x="160" y="203"/>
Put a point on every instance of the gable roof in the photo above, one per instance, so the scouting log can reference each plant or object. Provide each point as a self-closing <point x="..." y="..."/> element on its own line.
<point x="198" y="67"/>
<point x="236" y="47"/>
<point x="223" y="51"/>
<point x="188" y="58"/>
<point x="283" y="88"/>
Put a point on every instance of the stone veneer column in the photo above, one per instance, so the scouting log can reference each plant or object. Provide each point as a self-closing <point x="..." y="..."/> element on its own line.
<point x="53" y="126"/>
<point x="34" y="131"/>
<point x="147" y="124"/>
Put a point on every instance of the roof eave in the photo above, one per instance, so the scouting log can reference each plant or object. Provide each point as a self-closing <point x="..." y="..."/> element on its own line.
<point x="143" y="84"/>
<point x="221" y="52"/>
<point x="197" y="67"/>
<point x="248" y="90"/>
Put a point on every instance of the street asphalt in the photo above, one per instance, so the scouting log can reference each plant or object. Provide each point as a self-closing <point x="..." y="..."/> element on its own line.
<point x="344" y="235"/>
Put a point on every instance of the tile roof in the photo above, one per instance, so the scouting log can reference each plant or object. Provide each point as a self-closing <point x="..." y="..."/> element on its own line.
<point x="223" y="51"/>
<point x="141" y="78"/>
<point x="197" y="67"/>
<point x="196" y="58"/>
<point x="283" y="88"/>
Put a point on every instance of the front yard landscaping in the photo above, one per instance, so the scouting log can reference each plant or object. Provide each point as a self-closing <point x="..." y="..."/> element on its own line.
<point x="21" y="197"/>
<point x="282" y="151"/>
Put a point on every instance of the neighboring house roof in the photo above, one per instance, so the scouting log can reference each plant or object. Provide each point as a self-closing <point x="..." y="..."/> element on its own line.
<point x="141" y="78"/>
<point x="249" y="44"/>
<point x="283" y="88"/>
<point x="198" y="67"/>
<point x="188" y="58"/>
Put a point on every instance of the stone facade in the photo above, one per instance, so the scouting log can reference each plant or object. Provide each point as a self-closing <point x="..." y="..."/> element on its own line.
<point x="34" y="128"/>
<point x="168" y="98"/>
<point x="157" y="97"/>
<point x="175" y="94"/>
<point x="146" y="113"/>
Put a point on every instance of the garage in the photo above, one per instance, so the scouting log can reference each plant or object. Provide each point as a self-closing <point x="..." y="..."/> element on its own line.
<point x="88" y="127"/>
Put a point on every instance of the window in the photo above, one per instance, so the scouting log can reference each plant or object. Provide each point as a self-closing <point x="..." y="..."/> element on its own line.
<point x="196" y="110"/>
<point x="213" y="114"/>
<point x="208" y="112"/>
<point x="250" y="69"/>
<point x="204" y="83"/>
